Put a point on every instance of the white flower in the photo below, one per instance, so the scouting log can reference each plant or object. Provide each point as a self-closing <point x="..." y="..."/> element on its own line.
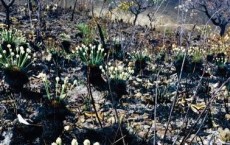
<point x="65" y="80"/>
<point x="42" y="75"/>
<point x="63" y="86"/>
<point x="111" y="68"/>
<point x="22" y="51"/>
<point x="57" y="79"/>
<point x="6" y="65"/>
<point x="53" y="143"/>
<point x="96" y="143"/>
<point x="17" y="49"/>
<point x="21" y="48"/>
<point x="28" y="50"/>
<point x="29" y="57"/>
<point x="99" y="47"/>
<point x="17" y="56"/>
<point x="86" y="142"/>
<point x="67" y="128"/>
<point x="8" y="46"/>
<point x="74" y="82"/>
<point x="34" y="55"/>
<point x="74" y="142"/>
<point x="0" y="56"/>
<point x="120" y="68"/>
<point x="59" y="141"/>
<point x="4" y="51"/>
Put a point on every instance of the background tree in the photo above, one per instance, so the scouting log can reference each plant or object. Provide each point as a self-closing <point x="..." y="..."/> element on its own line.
<point x="135" y="7"/>
<point x="218" y="11"/>
<point x="7" y="8"/>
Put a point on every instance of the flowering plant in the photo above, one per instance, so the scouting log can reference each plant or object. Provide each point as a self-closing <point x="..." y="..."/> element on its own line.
<point x="12" y="36"/>
<point x="18" y="57"/>
<point x="117" y="72"/>
<point x="61" y="89"/>
<point x="91" y="55"/>
<point x="140" y="55"/>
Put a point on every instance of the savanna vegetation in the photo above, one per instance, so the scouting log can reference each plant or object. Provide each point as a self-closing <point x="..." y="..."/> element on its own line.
<point x="114" y="72"/>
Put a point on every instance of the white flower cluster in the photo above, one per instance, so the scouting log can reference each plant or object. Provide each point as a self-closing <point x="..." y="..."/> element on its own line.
<point x="73" y="142"/>
<point x="117" y="72"/>
<point x="61" y="90"/>
<point x="140" y="54"/>
<point x="91" y="55"/>
<point x="18" y="57"/>
<point x="12" y="35"/>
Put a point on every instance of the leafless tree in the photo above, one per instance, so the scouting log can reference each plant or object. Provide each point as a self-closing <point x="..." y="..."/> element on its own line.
<point x="218" y="11"/>
<point x="139" y="6"/>
<point x="7" y="8"/>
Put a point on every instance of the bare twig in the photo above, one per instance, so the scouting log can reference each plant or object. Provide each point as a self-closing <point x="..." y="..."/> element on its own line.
<point x="91" y="96"/>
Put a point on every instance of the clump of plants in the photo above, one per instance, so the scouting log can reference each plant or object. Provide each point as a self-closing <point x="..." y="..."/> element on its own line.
<point x="196" y="60"/>
<point x="86" y="33"/>
<point x="15" y="63"/>
<point x="117" y="75"/>
<point x="13" y="37"/>
<point x="141" y="58"/>
<point x="65" y="43"/>
<point x="92" y="57"/>
<point x="57" y="93"/>
<point x="192" y="62"/>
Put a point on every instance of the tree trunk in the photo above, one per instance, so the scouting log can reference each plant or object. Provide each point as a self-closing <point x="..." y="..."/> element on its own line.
<point x="135" y="19"/>
<point x="7" y="7"/>
<point x="74" y="7"/>
<point x="8" y="18"/>
<point x="222" y="29"/>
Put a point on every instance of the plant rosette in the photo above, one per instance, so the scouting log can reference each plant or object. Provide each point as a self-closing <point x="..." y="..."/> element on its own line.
<point x="117" y="75"/>
<point x="179" y="62"/>
<point x="15" y="77"/>
<point x="119" y="87"/>
<point x="95" y="76"/>
<point x="57" y="93"/>
<point x="141" y="58"/>
<point x="91" y="55"/>
<point x="140" y="65"/>
<point x="13" y="37"/>
<point x="14" y="65"/>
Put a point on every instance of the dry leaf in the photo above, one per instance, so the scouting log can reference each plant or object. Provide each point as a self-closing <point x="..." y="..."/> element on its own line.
<point x="198" y="107"/>
<point x="93" y="114"/>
